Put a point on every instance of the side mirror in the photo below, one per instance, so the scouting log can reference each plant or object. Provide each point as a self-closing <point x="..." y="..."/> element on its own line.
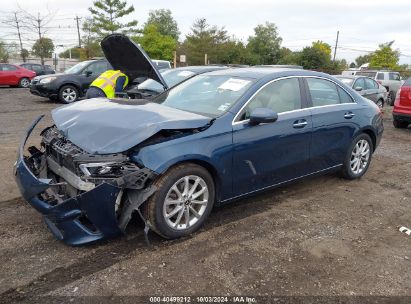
<point x="358" y="89"/>
<point x="262" y="115"/>
<point x="88" y="73"/>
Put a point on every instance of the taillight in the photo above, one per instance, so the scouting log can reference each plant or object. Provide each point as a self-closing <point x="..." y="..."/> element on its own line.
<point x="397" y="97"/>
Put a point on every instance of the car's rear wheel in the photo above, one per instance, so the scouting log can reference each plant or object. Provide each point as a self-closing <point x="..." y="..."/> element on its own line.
<point x="390" y="98"/>
<point x="358" y="157"/>
<point x="183" y="201"/>
<point x="380" y="103"/>
<point x="68" y="94"/>
<point x="24" y="83"/>
<point x="400" y="124"/>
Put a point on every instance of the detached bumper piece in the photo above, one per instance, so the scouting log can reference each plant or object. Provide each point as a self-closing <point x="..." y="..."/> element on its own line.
<point x="83" y="219"/>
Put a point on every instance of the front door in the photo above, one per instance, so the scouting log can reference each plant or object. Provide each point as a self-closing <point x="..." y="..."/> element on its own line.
<point x="272" y="153"/>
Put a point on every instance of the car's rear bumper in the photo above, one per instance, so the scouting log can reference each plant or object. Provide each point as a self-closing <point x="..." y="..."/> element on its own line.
<point x="86" y="218"/>
<point x="405" y="117"/>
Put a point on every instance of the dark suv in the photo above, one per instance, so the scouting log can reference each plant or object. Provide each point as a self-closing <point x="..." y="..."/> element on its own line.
<point x="69" y="86"/>
<point x="38" y="68"/>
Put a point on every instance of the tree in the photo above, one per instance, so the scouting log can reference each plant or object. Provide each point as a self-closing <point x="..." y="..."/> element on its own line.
<point x="166" y="25"/>
<point x="4" y="54"/>
<point x="385" y="57"/>
<point x="322" y="46"/>
<point x="313" y="58"/>
<point x="286" y="56"/>
<point x="43" y="48"/>
<point x="265" y="44"/>
<point x="360" y="60"/>
<point x="352" y="65"/>
<point x="15" y="20"/>
<point x="106" y="15"/>
<point x="91" y="46"/>
<point x="204" y="39"/>
<point x="157" y="45"/>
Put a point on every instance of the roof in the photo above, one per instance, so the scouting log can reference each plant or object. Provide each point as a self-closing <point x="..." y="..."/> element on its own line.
<point x="201" y="68"/>
<point x="259" y="73"/>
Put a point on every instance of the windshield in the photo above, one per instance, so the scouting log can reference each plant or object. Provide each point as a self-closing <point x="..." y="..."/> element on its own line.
<point x="347" y="81"/>
<point x="76" y="68"/>
<point x="206" y="94"/>
<point x="171" y="77"/>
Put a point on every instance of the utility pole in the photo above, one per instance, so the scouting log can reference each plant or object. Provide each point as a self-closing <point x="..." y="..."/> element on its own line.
<point x="18" y="33"/>
<point x="78" y="31"/>
<point x="336" y="44"/>
<point x="205" y="59"/>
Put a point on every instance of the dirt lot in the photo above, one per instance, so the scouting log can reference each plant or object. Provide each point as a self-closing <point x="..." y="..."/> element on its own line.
<point x="322" y="236"/>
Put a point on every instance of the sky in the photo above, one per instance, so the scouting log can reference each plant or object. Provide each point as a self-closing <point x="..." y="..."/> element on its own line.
<point x="362" y="25"/>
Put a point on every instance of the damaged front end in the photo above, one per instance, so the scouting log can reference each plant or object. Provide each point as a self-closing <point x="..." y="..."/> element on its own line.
<point x="83" y="197"/>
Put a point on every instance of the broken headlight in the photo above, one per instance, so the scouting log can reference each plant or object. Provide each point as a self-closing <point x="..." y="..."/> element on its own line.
<point x="100" y="169"/>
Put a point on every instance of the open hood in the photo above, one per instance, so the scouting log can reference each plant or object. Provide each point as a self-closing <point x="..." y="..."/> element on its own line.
<point x="128" y="57"/>
<point x="101" y="126"/>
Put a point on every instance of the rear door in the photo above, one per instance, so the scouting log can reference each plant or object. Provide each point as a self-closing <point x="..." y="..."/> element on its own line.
<point x="372" y="89"/>
<point x="272" y="153"/>
<point x="334" y="118"/>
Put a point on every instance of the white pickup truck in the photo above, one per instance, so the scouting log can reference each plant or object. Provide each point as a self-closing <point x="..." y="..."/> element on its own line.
<point x="390" y="80"/>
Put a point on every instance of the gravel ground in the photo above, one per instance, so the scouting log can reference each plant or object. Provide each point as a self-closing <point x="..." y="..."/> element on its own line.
<point x="323" y="236"/>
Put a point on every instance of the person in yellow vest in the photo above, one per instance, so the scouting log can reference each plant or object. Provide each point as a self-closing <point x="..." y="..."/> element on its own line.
<point x="108" y="84"/>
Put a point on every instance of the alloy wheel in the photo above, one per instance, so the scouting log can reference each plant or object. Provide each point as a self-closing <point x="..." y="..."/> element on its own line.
<point x="360" y="156"/>
<point x="186" y="202"/>
<point x="69" y="95"/>
<point x="25" y="83"/>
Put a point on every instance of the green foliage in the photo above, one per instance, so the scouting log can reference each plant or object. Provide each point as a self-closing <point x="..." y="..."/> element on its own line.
<point x="313" y="58"/>
<point x="157" y="45"/>
<point x="288" y="57"/>
<point x="265" y="44"/>
<point x="204" y="39"/>
<point x="43" y="48"/>
<point x="4" y="54"/>
<point x="75" y="53"/>
<point x="385" y="57"/>
<point x="166" y="25"/>
<point x="24" y="53"/>
<point x="360" y="60"/>
<point x="352" y="65"/>
<point x="106" y="15"/>
<point x="91" y="46"/>
<point x="322" y="46"/>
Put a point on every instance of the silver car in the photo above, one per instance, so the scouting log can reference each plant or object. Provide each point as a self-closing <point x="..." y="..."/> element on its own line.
<point x="366" y="87"/>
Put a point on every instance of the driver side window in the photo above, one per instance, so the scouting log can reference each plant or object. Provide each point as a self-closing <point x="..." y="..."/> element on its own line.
<point x="97" y="68"/>
<point x="279" y="96"/>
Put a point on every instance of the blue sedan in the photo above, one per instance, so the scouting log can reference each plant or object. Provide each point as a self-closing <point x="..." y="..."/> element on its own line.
<point x="215" y="138"/>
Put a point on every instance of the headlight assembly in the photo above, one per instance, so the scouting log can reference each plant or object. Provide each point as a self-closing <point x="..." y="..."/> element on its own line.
<point x="47" y="80"/>
<point x="98" y="169"/>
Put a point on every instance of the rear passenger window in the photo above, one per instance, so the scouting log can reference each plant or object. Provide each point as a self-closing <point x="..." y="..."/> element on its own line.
<point x="344" y="97"/>
<point x="380" y="76"/>
<point x="394" y="76"/>
<point x="323" y="92"/>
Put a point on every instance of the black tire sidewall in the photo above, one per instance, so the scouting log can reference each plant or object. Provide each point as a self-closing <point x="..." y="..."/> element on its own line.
<point x="347" y="172"/>
<point x="392" y="97"/>
<point x="167" y="182"/>
<point x="61" y="99"/>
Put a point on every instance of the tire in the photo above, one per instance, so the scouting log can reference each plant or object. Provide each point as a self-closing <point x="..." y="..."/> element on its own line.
<point x="355" y="165"/>
<point x="24" y="82"/>
<point x="380" y="103"/>
<point x="170" y="220"/>
<point x="399" y="124"/>
<point x="391" y="98"/>
<point x="68" y="94"/>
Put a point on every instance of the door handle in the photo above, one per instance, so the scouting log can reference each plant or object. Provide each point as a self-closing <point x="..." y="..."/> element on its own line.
<point x="299" y="124"/>
<point x="349" y="115"/>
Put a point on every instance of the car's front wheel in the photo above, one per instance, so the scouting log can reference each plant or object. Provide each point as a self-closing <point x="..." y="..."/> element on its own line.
<point x="68" y="94"/>
<point x="391" y="98"/>
<point x="358" y="157"/>
<point x="380" y="103"/>
<point x="183" y="201"/>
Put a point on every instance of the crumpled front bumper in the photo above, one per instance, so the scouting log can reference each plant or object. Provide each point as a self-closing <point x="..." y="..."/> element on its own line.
<point x="65" y="219"/>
